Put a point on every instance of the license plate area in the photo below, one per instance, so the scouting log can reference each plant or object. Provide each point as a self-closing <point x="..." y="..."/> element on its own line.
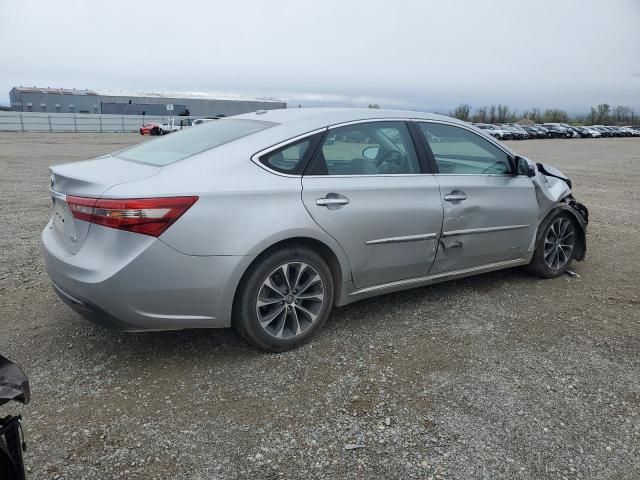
<point x="60" y="214"/>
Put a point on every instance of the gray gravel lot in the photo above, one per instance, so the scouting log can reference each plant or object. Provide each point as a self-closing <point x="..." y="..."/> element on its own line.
<point x="496" y="376"/>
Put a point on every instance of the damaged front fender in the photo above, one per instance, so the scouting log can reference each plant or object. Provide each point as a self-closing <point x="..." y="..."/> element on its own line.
<point x="553" y="192"/>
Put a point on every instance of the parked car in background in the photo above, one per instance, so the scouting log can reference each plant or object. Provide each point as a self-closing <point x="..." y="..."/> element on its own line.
<point x="150" y="129"/>
<point x="604" y="131"/>
<point x="543" y="129"/>
<point x="518" y="133"/>
<point x="534" y="132"/>
<point x="518" y="128"/>
<point x="592" y="132"/>
<point x="495" y="131"/>
<point x="188" y="231"/>
<point x="630" y="131"/>
<point x="580" y="132"/>
<point x="613" y="130"/>
<point x="556" y="130"/>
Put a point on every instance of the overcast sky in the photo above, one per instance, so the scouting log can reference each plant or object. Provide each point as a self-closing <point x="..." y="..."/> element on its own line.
<point x="427" y="55"/>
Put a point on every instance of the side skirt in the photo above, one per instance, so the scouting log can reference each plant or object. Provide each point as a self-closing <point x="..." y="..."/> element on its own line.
<point x="360" y="294"/>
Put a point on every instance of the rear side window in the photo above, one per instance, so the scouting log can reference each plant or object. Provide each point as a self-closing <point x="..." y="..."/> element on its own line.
<point x="189" y="141"/>
<point x="287" y="159"/>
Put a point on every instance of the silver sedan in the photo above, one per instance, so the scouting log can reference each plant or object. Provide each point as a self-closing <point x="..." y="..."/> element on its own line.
<point x="265" y="221"/>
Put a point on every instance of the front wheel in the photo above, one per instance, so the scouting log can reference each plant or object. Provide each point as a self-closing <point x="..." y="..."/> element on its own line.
<point x="555" y="246"/>
<point x="284" y="299"/>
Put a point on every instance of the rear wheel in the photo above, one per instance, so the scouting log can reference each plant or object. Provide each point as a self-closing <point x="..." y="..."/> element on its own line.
<point x="555" y="246"/>
<point x="284" y="299"/>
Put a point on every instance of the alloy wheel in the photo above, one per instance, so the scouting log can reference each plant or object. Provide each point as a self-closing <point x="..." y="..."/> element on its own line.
<point x="559" y="243"/>
<point x="290" y="300"/>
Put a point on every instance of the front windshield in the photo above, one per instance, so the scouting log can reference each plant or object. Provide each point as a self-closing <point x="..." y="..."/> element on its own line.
<point x="185" y="143"/>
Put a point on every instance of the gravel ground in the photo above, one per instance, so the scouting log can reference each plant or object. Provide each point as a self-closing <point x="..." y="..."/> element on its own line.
<point x="496" y="376"/>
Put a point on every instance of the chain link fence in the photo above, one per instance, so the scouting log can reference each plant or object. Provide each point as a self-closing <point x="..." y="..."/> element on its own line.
<point x="75" y="122"/>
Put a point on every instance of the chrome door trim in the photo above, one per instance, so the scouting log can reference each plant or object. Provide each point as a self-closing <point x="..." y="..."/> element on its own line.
<point x="406" y="238"/>
<point x="482" y="230"/>
<point x="255" y="158"/>
<point x="373" y="175"/>
<point x="417" y="281"/>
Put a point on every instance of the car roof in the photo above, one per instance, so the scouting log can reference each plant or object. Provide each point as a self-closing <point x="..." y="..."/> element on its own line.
<point x="320" y="116"/>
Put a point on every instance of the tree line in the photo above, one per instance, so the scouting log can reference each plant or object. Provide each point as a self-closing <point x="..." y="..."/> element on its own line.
<point x="599" y="114"/>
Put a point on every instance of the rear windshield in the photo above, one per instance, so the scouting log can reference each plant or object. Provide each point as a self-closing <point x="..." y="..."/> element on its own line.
<point x="180" y="145"/>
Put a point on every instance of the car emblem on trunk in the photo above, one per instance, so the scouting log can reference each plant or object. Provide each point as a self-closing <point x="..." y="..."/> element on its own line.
<point x="73" y="238"/>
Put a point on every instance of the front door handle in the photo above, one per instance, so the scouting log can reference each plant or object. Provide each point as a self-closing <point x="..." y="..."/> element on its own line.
<point x="332" y="201"/>
<point x="455" y="196"/>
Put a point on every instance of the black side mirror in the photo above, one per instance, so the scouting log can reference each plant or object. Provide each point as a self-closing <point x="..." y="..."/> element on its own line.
<point x="523" y="167"/>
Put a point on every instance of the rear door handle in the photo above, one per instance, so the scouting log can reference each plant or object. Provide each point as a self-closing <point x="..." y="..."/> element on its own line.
<point x="455" y="197"/>
<point x="327" y="202"/>
<point x="332" y="201"/>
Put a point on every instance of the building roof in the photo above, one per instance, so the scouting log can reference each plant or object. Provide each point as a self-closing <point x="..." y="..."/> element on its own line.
<point x="142" y="94"/>
<point x="58" y="91"/>
<point x="184" y="95"/>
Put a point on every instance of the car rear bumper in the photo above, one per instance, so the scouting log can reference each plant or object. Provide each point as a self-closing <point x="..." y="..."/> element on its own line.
<point x="153" y="288"/>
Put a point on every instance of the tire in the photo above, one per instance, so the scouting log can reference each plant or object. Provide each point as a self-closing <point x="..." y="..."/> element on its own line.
<point x="272" y="317"/>
<point x="550" y="258"/>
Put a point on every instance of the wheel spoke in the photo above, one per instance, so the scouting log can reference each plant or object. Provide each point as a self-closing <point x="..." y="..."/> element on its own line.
<point x="311" y="315"/>
<point x="285" y="272"/>
<point x="311" y="296"/>
<point x="296" y="282"/>
<point x="310" y="281"/>
<point x="267" y="319"/>
<point x="562" y="228"/>
<point x="296" y="322"/>
<point x="264" y="301"/>
<point x="281" y="324"/>
<point x="270" y="284"/>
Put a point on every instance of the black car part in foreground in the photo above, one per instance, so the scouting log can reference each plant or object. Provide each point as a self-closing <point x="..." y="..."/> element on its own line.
<point x="14" y="385"/>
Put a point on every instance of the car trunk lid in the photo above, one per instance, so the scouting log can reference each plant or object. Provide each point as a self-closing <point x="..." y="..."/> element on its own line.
<point x="87" y="179"/>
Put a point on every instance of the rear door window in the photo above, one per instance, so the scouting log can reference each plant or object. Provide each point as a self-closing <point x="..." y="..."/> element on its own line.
<point x="375" y="148"/>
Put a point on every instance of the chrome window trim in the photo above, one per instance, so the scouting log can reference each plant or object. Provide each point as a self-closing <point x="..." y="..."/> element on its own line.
<point x="406" y="238"/>
<point x="373" y="175"/>
<point x="368" y="120"/>
<point x="255" y="158"/>
<point x="469" y="231"/>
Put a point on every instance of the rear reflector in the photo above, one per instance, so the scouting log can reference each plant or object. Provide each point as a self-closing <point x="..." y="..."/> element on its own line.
<point x="148" y="216"/>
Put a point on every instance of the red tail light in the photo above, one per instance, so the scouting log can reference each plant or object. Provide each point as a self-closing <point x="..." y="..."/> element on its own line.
<point x="148" y="216"/>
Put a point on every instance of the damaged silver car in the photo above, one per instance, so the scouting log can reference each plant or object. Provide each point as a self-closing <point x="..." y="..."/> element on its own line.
<point x="265" y="221"/>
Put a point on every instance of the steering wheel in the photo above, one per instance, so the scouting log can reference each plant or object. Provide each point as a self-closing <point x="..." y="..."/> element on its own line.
<point x="392" y="161"/>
